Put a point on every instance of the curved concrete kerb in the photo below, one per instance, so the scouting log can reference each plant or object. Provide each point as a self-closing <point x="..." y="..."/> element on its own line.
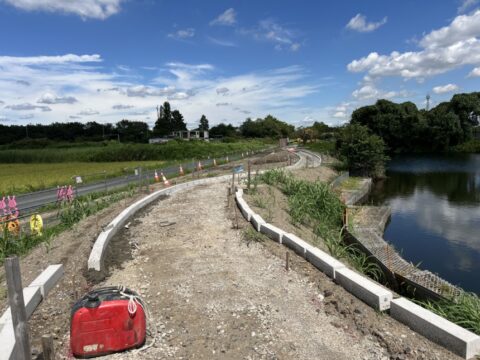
<point x="95" y="261"/>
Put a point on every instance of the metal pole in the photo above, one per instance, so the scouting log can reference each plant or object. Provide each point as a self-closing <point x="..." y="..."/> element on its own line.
<point x="17" y="307"/>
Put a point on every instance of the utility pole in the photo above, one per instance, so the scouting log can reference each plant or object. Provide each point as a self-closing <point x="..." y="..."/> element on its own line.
<point x="428" y="102"/>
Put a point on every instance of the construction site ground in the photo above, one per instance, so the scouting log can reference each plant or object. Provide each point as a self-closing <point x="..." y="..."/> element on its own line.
<point x="216" y="289"/>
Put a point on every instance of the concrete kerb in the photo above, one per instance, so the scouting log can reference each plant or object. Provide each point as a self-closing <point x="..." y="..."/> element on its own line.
<point x="434" y="327"/>
<point x="257" y="221"/>
<point x="95" y="260"/>
<point x="33" y="296"/>
<point x="296" y="244"/>
<point x="365" y="289"/>
<point x="323" y="261"/>
<point x="272" y="232"/>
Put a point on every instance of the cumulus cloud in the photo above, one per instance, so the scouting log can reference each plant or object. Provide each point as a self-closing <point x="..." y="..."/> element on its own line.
<point x="443" y="50"/>
<point x="88" y="112"/>
<point x="369" y="91"/>
<point x="359" y="23"/>
<point x="182" y="34"/>
<point x="227" y="18"/>
<point x="27" y="107"/>
<point x="49" y="98"/>
<point x="95" y="9"/>
<point x="445" y="89"/>
<point x="121" y="107"/>
<point x="143" y="91"/>
<point x="475" y="72"/>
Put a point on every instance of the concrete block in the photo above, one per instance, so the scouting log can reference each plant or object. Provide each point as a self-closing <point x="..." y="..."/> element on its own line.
<point x="323" y="261"/>
<point x="48" y="278"/>
<point x="272" y="232"/>
<point x="445" y="333"/>
<point x="365" y="289"/>
<point x="296" y="244"/>
<point x="256" y="221"/>
<point x="245" y="209"/>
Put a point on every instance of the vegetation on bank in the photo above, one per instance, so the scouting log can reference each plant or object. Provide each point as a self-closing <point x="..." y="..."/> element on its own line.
<point x="315" y="205"/>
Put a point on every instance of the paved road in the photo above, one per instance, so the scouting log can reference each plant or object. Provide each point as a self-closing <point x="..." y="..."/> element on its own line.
<point x="26" y="203"/>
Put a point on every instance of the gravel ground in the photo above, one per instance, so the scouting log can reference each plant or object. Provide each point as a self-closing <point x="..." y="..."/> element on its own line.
<point x="215" y="295"/>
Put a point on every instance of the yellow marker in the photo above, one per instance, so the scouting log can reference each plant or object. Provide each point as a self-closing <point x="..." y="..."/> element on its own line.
<point x="14" y="227"/>
<point x="36" y="225"/>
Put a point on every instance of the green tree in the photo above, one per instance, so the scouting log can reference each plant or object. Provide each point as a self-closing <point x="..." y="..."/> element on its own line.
<point x="267" y="127"/>
<point x="363" y="152"/>
<point x="163" y="125"/>
<point x="223" y="130"/>
<point x="203" y="124"/>
<point x="178" y="123"/>
<point x="133" y="131"/>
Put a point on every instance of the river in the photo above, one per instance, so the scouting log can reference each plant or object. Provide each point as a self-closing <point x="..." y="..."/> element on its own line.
<point x="435" y="201"/>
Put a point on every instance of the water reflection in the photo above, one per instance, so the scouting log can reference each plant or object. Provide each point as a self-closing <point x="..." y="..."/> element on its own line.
<point x="436" y="214"/>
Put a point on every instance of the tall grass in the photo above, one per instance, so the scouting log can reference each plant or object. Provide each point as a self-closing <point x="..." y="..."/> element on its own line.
<point x="173" y="150"/>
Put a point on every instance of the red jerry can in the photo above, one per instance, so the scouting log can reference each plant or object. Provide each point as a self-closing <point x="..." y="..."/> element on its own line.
<point x="102" y="322"/>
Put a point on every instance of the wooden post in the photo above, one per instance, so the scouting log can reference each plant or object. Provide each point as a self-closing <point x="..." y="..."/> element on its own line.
<point x="249" y="178"/>
<point x="233" y="179"/>
<point x="47" y="348"/>
<point x="287" y="261"/>
<point x="17" y="307"/>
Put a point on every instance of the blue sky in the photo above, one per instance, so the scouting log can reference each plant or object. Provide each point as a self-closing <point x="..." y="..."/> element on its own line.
<point x="301" y="61"/>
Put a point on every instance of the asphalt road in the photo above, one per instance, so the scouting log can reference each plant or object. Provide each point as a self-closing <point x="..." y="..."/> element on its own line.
<point x="26" y="203"/>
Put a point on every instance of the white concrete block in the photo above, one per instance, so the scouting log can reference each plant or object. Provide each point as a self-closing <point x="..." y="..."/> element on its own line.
<point x="272" y="232"/>
<point x="451" y="336"/>
<point x="365" y="289"/>
<point x="296" y="244"/>
<point x="245" y="209"/>
<point x="323" y="261"/>
<point x="48" y="278"/>
<point x="256" y="221"/>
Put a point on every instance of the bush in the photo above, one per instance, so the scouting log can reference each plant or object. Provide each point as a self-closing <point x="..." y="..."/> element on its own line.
<point x="363" y="152"/>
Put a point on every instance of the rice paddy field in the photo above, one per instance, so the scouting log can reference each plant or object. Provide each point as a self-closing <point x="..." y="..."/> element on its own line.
<point x="21" y="178"/>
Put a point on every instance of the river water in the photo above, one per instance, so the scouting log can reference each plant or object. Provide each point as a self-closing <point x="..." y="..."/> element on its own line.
<point x="435" y="221"/>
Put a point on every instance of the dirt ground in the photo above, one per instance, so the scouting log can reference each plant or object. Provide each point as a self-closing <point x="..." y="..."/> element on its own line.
<point x="216" y="294"/>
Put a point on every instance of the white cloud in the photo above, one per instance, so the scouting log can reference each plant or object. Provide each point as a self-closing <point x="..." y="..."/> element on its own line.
<point x="359" y="23"/>
<point x="445" y="89"/>
<point x="369" y="91"/>
<point x="466" y="4"/>
<point x="221" y="42"/>
<point x="443" y="50"/>
<point x="48" y="60"/>
<point x="121" y="107"/>
<point x="49" y="98"/>
<point x="27" y="106"/>
<point x="227" y="18"/>
<point x="269" y="30"/>
<point x="182" y="34"/>
<point x="95" y="9"/>
<point x="88" y="112"/>
<point x="23" y="82"/>
<point x="475" y="72"/>
<point x="191" y="88"/>
<point x="222" y="91"/>
<point x="27" y="116"/>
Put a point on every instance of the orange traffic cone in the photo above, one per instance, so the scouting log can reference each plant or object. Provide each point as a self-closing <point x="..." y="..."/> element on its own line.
<point x="165" y="181"/>
<point x="180" y="171"/>
<point x="157" y="179"/>
<point x="199" y="166"/>
<point x="214" y="162"/>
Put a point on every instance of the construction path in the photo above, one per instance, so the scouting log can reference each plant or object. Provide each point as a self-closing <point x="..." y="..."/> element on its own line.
<point x="215" y="295"/>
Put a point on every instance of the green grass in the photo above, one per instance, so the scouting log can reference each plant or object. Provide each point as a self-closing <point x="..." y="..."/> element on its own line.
<point x="322" y="146"/>
<point x="351" y="183"/>
<point x="21" y="178"/>
<point x="472" y="146"/>
<point x="114" y="152"/>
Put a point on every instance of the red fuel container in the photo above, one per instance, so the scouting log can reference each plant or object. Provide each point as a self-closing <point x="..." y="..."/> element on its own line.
<point x="101" y="323"/>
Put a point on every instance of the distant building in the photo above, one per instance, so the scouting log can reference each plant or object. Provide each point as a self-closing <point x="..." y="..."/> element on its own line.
<point x="184" y="135"/>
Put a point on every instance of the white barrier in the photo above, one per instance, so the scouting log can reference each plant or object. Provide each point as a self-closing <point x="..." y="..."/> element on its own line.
<point x="455" y="338"/>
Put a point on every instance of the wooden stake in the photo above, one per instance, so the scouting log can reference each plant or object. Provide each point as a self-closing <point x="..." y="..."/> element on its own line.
<point x="287" y="261"/>
<point x="17" y="307"/>
<point x="47" y="348"/>
<point x="249" y="173"/>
